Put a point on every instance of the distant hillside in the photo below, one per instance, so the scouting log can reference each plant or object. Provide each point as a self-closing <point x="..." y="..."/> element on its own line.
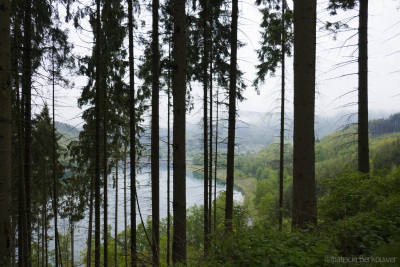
<point x="385" y="126"/>
<point x="68" y="133"/>
<point x="256" y="130"/>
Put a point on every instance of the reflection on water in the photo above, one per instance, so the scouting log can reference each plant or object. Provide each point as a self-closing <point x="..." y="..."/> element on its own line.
<point x="194" y="195"/>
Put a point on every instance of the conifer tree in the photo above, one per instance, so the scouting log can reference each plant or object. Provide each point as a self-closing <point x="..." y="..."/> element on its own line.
<point x="304" y="196"/>
<point x="179" y="54"/>
<point x="363" y="135"/>
<point x="155" y="136"/>
<point x="231" y="121"/>
<point x="5" y="134"/>
<point x="277" y="39"/>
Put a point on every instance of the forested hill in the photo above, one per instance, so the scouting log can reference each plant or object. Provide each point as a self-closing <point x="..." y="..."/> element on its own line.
<point x="68" y="133"/>
<point x="256" y="130"/>
<point x="385" y="126"/>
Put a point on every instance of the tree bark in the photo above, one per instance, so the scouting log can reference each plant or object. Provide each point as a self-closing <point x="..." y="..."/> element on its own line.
<point x="116" y="211"/>
<point x="155" y="140"/>
<point x="179" y="133"/>
<point x="282" y="130"/>
<point x="132" y="135"/>
<point x="5" y="134"/>
<point x="206" y="219"/>
<point x="90" y="224"/>
<point x="304" y="200"/>
<point x="54" y="167"/>
<point x="105" y="170"/>
<point x="231" y="121"/>
<point x="169" y="158"/>
<point x="97" y="199"/>
<point x="22" y="224"/>
<point x="27" y="91"/>
<point x="125" y="210"/>
<point x="363" y="138"/>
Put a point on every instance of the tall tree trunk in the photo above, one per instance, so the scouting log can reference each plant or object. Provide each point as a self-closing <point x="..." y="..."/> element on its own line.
<point x="5" y="134"/>
<point x="27" y="91"/>
<point x="210" y="174"/>
<point x="72" y="243"/>
<point x="44" y="212"/>
<point x="125" y="210"/>
<point x="206" y="218"/>
<point x="22" y="224"/>
<point x="155" y="137"/>
<point x="363" y="139"/>
<point x="282" y="130"/>
<point x="216" y="164"/>
<point x="97" y="199"/>
<point x="169" y="158"/>
<point x="132" y="135"/>
<point x="105" y="171"/>
<point x="179" y="133"/>
<point x="15" y="76"/>
<point x="55" y="196"/>
<point x="90" y="227"/>
<point x="116" y="210"/>
<point x="46" y="244"/>
<point x="304" y="199"/>
<point x="231" y="121"/>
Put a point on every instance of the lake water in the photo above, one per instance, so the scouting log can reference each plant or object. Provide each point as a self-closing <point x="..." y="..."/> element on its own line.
<point x="194" y="196"/>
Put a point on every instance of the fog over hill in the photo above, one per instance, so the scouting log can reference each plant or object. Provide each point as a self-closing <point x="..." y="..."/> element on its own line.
<point x="255" y="130"/>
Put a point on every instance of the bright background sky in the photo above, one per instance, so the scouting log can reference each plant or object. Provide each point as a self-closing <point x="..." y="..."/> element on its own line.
<point x="334" y="94"/>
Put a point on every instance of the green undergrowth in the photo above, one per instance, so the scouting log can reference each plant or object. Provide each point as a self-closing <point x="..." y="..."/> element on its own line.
<point x="359" y="219"/>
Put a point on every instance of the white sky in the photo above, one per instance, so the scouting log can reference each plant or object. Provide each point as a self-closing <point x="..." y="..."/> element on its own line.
<point x="384" y="58"/>
<point x="384" y="61"/>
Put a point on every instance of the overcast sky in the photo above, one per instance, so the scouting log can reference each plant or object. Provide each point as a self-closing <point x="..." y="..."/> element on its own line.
<point x="334" y="93"/>
<point x="384" y="61"/>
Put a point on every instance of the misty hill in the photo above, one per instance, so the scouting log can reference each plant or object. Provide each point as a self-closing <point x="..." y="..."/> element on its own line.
<point x="256" y="130"/>
<point x="68" y="133"/>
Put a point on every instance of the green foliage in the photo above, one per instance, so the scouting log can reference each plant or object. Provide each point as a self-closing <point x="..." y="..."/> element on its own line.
<point x="334" y="5"/>
<point x="363" y="211"/>
<point x="42" y="165"/>
<point x="260" y="246"/>
<point x="270" y="53"/>
<point x="385" y="126"/>
<point x="386" y="153"/>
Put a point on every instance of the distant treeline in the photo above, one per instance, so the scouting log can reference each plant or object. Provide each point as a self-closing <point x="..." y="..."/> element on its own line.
<point x="385" y="126"/>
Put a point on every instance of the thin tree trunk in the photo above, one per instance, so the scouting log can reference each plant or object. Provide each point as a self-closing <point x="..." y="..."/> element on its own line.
<point x="46" y="245"/>
<point x="55" y="197"/>
<point x="179" y="133"/>
<point x="105" y="170"/>
<point x="90" y="227"/>
<point x="37" y="230"/>
<point x="211" y="152"/>
<point x="282" y="131"/>
<point x="132" y="135"/>
<point x="231" y="121"/>
<point x="216" y="165"/>
<point x="206" y="218"/>
<point x="116" y="211"/>
<point x="26" y="87"/>
<point x="304" y="199"/>
<point x="72" y="243"/>
<point x="22" y="223"/>
<point x="169" y="159"/>
<point x="155" y="143"/>
<point x="363" y="138"/>
<point x="44" y="211"/>
<point x="97" y="199"/>
<point x="125" y="211"/>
